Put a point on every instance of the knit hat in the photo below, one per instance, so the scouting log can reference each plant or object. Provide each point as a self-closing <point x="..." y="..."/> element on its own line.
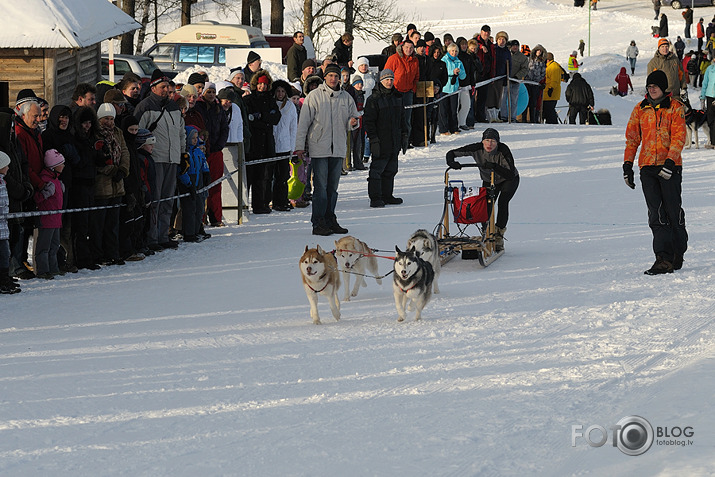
<point x="25" y="95"/>
<point x="144" y="136"/>
<point x="411" y="26"/>
<point x="307" y="63"/>
<point x="362" y="61"/>
<point x="114" y="96"/>
<point x="263" y="79"/>
<point x="490" y="133"/>
<point x="502" y="34"/>
<point x="209" y="85"/>
<point x="387" y="73"/>
<point x="429" y="36"/>
<point x="252" y="56"/>
<point x="234" y="72"/>
<point x="105" y="110"/>
<point x="187" y="90"/>
<point x="332" y="68"/>
<point x="195" y="78"/>
<point x="487" y="28"/>
<point x="663" y="41"/>
<point x="659" y="79"/>
<point x="573" y="53"/>
<point x="53" y="158"/>
<point x="157" y="77"/>
<point x="356" y="79"/>
<point x="421" y="43"/>
<point x="227" y="93"/>
<point x="4" y="160"/>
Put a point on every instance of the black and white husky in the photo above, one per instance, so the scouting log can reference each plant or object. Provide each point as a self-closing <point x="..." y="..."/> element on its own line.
<point x="426" y="248"/>
<point x="412" y="281"/>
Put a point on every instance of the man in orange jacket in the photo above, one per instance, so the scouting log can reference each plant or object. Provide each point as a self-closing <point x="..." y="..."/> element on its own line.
<point x="406" y="69"/>
<point x="657" y="125"/>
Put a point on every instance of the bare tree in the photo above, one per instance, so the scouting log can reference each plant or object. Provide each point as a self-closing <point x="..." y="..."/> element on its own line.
<point x="127" y="43"/>
<point x="256" y="16"/>
<point x="370" y="19"/>
<point x="186" y="11"/>
<point x="277" y="8"/>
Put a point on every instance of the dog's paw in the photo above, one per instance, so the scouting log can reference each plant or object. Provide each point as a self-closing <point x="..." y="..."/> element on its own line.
<point x="317" y="322"/>
<point x="401" y="318"/>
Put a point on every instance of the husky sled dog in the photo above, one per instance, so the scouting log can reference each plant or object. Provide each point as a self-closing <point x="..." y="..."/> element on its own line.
<point x="354" y="255"/>
<point x="320" y="276"/>
<point x="412" y="281"/>
<point x="426" y="248"/>
<point x="694" y="120"/>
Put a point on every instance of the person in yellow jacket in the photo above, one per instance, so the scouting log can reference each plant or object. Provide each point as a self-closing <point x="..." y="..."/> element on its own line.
<point x="657" y="125"/>
<point x="554" y="76"/>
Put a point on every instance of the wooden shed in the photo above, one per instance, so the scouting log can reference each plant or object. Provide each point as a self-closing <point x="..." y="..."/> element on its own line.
<point x="52" y="45"/>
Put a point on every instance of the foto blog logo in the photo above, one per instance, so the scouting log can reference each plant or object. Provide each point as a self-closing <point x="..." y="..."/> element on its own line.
<point x="633" y="435"/>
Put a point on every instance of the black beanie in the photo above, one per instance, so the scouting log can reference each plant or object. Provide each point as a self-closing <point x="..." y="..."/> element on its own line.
<point x="252" y="56"/>
<point x="659" y="79"/>
<point x="196" y="78"/>
<point x="158" y="77"/>
<point x="490" y="133"/>
<point x="25" y="95"/>
<point x="429" y="36"/>
<point x="332" y="68"/>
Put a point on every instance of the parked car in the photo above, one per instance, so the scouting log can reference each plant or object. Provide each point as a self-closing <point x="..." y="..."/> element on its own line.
<point x="203" y="43"/>
<point x="678" y="4"/>
<point x="140" y="65"/>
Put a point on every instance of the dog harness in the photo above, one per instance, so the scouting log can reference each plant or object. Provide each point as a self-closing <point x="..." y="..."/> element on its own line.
<point x="320" y="278"/>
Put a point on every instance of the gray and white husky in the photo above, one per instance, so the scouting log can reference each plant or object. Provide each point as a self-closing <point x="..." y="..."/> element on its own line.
<point x="426" y="248"/>
<point x="412" y="281"/>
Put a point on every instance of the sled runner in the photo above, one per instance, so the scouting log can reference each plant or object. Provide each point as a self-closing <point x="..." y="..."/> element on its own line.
<point x="468" y="207"/>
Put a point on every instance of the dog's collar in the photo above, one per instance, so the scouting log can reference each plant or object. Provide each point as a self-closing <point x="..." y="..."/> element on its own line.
<point x="405" y="291"/>
<point x="324" y="287"/>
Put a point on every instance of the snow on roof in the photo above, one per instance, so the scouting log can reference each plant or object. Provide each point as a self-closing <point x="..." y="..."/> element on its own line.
<point x="62" y="23"/>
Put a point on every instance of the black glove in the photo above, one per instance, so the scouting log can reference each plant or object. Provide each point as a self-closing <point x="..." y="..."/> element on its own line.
<point x="455" y="165"/>
<point x="453" y="79"/>
<point x="487" y="166"/>
<point x="118" y="176"/>
<point x="550" y="91"/>
<point x="667" y="170"/>
<point x="192" y="191"/>
<point x="628" y="174"/>
<point x="405" y="142"/>
<point x="375" y="149"/>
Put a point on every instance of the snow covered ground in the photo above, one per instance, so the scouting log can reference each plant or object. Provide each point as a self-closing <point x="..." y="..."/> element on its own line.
<point x="204" y="361"/>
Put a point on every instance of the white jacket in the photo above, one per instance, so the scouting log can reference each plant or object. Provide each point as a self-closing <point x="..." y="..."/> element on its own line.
<point x="325" y="121"/>
<point x="368" y="82"/>
<point x="284" y="132"/>
<point x="235" y="126"/>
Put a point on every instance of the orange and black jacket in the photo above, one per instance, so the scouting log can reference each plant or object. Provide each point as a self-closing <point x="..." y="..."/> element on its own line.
<point x="659" y="131"/>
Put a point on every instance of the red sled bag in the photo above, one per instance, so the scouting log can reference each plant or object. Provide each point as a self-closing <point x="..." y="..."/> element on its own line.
<point x="469" y="205"/>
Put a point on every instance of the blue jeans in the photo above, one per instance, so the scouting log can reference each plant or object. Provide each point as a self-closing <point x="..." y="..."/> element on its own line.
<point x="407" y="100"/>
<point x="326" y="176"/>
<point x="632" y="61"/>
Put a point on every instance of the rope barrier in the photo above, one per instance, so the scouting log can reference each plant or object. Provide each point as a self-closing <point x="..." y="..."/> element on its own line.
<point x="39" y="213"/>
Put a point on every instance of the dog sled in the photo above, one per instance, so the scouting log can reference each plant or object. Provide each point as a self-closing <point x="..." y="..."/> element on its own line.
<point x="467" y="208"/>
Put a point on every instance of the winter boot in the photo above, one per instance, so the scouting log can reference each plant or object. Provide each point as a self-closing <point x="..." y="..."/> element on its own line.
<point x="7" y="285"/>
<point x="660" y="266"/>
<point x="677" y="261"/>
<point x="499" y="238"/>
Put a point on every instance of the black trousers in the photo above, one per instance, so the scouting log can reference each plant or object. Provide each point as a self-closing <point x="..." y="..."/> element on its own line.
<point x="580" y="110"/>
<point x="505" y="192"/>
<point x="104" y="230"/>
<point x="550" y="115"/>
<point x="381" y="178"/>
<point x="666" y="217"/>
<point x="258" y="179"/>
<point x="281" y="174"/>
<point x="710" y="117"/>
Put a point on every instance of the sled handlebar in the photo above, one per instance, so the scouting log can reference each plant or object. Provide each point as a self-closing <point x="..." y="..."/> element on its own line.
<point x="468" y="164"/>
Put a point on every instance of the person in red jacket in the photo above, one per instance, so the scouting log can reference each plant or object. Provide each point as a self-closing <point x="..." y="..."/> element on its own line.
<point x="405" y="67"/>
<point x="624" y="81"/>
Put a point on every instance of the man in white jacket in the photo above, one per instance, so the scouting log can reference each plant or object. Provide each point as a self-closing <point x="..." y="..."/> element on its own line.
<point x="325" y="118"/>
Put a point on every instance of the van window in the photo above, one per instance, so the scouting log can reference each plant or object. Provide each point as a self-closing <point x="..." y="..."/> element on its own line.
<point x="196" y="54"/>
<point x="163" y="53"/>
